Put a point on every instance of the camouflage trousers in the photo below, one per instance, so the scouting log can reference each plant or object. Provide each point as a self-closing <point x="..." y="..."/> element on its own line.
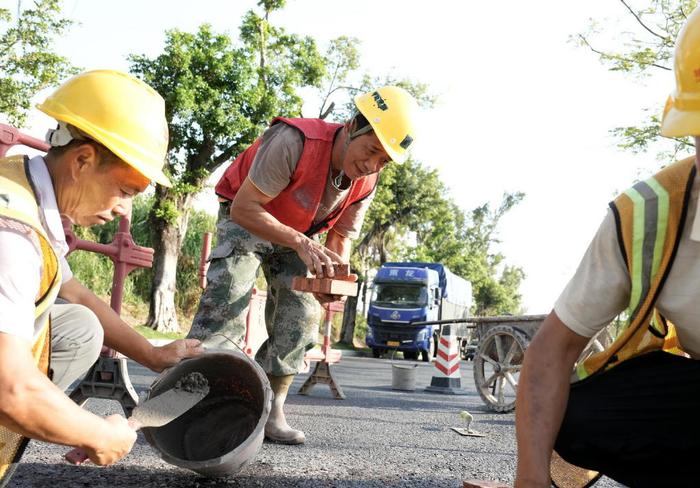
<point x="291" y="317"/>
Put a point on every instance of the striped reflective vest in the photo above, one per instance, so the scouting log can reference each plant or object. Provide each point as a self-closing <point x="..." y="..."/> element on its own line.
<point x="649" y="218"/>
<point x="18" y="202"/>
<point x="297" y="205"/>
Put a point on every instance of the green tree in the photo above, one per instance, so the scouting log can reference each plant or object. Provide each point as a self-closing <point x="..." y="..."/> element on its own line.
<point x="643" y="45"/>
<point x="96" y="271"/>
<point x="464" y="242"/>
<point x="219" y="97"/>
<point x="412" y="199"/>
<point x="28" y="62"/>
<point x="342" y="59"/>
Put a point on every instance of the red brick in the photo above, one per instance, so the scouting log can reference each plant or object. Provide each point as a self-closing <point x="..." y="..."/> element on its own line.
<point x="483" y="484"/>
<point x="324" y="285"/>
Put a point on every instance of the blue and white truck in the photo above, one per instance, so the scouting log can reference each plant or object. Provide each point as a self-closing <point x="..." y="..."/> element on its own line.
<point x="404" y="293"/>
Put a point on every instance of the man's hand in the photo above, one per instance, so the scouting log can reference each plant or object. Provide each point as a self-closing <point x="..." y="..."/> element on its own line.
<point x="113" y="442"/>
<point x="316" y="256"/>
<point x="171" y="354"/>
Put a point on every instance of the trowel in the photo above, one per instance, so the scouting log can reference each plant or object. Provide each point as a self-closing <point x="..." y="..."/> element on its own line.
<point x="160" y="410"/>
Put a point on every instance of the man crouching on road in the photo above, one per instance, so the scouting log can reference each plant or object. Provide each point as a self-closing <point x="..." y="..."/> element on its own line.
<point x="110" y="143"/>
<point x="632" y="414"/>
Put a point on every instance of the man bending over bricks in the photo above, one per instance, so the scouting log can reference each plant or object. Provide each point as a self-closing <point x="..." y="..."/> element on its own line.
<point x="303" y="177"/>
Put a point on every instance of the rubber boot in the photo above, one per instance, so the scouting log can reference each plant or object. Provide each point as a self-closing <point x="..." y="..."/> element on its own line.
<point x="276" y="428"/>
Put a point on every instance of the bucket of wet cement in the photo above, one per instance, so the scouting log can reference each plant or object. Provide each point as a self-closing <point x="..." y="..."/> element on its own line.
<point x="223" y="432"/>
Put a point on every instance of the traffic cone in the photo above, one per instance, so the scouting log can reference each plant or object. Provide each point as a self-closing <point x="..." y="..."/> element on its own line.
<point x="447" y="379"/>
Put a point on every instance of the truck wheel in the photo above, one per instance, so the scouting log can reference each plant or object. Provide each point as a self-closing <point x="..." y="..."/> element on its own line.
<point x="428" y="355"/>
<point x="497" y="364"/>
<point x="412" y="355"/>
<point x="376" y="352"/>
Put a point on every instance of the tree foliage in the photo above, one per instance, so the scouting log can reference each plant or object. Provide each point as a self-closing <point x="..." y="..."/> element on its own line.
<point x="28" y="63"/>
<point x="96" y="271"/>
<point x="412" y="201"/>
<point x="219" y="96"/>
<point x="643" y="45"/>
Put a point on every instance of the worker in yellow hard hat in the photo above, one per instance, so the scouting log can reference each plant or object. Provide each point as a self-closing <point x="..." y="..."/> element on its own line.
<point x="630" y="412"/>
<point x="110" y="143"/>
<point x="302" y="178"/>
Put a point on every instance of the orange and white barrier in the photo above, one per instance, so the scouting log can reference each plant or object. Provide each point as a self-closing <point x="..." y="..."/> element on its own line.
<point x="447" y="378"/>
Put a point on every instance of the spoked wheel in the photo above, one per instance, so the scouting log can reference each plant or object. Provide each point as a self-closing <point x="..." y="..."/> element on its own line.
<point x="497" y="366"/>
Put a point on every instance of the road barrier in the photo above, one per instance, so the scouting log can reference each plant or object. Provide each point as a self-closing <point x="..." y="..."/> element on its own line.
<point x="447" y="378"/>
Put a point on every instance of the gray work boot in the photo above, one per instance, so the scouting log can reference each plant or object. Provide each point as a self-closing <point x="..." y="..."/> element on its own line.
<point x="276" y="428"/>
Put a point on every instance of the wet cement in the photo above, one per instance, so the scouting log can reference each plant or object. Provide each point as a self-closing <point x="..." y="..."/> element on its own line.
<point x="193" y="382"/>
<point x="217" y="427"/>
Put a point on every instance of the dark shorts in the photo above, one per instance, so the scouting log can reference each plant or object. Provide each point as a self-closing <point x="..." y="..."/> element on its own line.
<point x="638" y="423"/>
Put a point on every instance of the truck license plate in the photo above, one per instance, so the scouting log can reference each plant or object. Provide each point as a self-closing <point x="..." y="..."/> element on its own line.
<point x="393" y="343"/>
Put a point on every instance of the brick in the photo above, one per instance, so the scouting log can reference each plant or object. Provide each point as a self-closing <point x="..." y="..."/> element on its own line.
<point x="483" y="484"/>
<point x="324" y="285"/>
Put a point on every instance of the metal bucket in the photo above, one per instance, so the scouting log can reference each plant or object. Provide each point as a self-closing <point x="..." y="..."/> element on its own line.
<point x="403" y="376"/>
<point x="223" y="432"/>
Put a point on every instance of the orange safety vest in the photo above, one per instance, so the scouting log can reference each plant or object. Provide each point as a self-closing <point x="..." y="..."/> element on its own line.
<point x="649" y="218"/>
<point x="18" y="202"/>
<point x="297" y="204"/>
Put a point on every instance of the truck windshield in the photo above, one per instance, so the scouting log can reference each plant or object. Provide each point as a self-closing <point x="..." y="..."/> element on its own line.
<point x="400" y="296"/>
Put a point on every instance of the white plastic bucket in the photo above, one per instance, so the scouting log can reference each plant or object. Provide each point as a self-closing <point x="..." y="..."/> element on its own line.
<point x="403" y="376"/>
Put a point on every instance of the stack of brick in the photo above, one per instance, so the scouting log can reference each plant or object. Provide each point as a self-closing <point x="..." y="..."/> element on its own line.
<point x="329" y="286"/>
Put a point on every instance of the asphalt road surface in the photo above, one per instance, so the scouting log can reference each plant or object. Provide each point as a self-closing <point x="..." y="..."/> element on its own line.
<point x="377" y="437"/>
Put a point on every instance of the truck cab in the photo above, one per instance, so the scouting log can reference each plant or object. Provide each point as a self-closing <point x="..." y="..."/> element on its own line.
<point x="401" y="296"/>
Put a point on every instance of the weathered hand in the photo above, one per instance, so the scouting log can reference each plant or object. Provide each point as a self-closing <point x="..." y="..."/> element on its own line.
<point x="315" y="256"/>
<point x="113" y="443"/>
<point x="171" y="354"/>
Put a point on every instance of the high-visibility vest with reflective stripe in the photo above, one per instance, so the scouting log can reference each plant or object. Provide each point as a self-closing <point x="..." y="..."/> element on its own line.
<point x="18" y="202"/>
<point x="649" y="219"/>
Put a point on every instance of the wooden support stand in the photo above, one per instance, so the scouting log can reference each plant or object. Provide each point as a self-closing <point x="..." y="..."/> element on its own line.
<point x="322" y="372"/>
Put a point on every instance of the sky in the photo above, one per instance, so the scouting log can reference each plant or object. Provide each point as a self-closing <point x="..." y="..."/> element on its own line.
<point x="520" y="107"/>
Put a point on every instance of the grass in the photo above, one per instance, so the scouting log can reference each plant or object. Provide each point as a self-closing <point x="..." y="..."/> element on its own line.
<point x="149" y="333"/>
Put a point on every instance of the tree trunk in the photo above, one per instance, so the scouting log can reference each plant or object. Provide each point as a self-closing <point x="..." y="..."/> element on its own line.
<point x="347" y="330"/>
<point x="167" y="242"/>
<point x="365" y="304"/>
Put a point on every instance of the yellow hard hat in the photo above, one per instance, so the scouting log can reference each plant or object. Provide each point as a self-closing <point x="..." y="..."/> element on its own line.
<point x="121" y="112"/>
<point x="391" y="111"/>
<point x="682" y="112"/>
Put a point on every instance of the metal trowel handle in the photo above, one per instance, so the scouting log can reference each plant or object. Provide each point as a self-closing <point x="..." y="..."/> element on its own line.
<point x="78" y="455"/>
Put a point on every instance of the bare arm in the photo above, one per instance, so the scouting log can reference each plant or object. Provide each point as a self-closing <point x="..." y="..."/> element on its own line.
<point x="543" y="392"/>
<point x="248" y="212"/>
<point x="121" y="337"/>
<point x="34" y="407"/>
<point x="339" y="244"/>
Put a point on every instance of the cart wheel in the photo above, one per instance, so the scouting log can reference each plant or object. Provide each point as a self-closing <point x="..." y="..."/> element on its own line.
<point x="497" y="364"/>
